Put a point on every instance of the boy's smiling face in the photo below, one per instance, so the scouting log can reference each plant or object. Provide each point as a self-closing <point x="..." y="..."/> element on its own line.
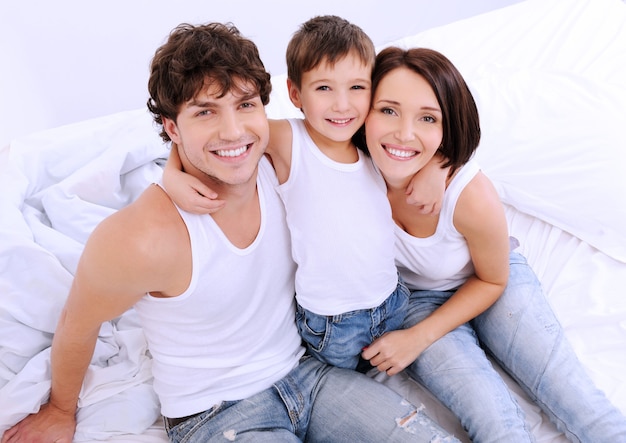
<point x="335" y="99"/>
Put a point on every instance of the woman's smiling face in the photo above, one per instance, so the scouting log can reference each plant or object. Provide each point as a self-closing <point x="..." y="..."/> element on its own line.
<point x="404" y="127"/>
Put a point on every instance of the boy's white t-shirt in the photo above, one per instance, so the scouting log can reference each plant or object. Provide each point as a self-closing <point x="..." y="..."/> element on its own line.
<point x="342" y="232"/>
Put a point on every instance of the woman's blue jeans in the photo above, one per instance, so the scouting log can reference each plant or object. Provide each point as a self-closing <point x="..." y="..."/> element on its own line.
<point x="521" y="333"/>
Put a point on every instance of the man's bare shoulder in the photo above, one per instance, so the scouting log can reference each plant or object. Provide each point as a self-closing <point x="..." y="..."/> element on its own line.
<point x="152" y="214"/>
<point x="146" y="240"/>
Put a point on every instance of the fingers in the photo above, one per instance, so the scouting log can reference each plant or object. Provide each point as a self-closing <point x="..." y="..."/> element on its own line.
<point x="205" y="191"/>
<point x="379" y="361"/>
<point x="426" y="209"/>
<point x="8" y="434"/>
<point x="203" y="205"/>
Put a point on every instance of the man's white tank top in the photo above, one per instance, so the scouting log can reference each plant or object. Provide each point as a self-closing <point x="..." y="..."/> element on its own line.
<point x="232" y="333"/>
<point x="442" y="261"/>
<point x="341" y="229"/>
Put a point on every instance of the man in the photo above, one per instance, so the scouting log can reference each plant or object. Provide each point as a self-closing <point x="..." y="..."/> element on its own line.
<point x="215" y="293"/>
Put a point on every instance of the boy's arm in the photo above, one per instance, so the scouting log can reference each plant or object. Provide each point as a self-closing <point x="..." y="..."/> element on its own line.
<point x="187" y="191"/>
<point x="279" y="148"/>
<point x="428" y="185"/>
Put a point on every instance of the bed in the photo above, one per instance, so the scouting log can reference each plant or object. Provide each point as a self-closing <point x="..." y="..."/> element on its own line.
<point x="549" y="78"/>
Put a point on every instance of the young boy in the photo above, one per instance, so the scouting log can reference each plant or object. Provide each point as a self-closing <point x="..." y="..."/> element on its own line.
<point x="347" y="287"/>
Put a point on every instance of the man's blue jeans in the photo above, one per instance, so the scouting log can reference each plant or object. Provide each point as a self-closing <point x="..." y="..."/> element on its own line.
<point x="315" y="402"/>
<point x="521" y="333"/>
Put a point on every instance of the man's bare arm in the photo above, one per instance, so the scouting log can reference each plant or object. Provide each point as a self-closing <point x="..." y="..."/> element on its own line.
<point x="124" y="258"/>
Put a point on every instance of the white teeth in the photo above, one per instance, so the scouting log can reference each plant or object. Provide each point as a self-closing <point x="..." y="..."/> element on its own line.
<point x="401" y="153"/>
<point x="340" y="122"/>
<point x="231" y="152"/>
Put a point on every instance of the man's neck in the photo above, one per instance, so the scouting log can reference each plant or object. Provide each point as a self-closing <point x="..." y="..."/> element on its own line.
<point x="240" y="218"/>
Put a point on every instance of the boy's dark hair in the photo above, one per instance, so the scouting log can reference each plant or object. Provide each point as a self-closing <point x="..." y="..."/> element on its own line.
<point x="195" y="56"/>
<point x="461" y="124"/>
<point x="326" y="38"/>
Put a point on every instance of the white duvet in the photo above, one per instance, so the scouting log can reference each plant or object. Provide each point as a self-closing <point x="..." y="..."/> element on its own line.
<point x="550" y="81"/>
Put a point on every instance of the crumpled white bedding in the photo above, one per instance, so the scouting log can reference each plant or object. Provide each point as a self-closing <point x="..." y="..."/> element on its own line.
<point x="550" y="82"/>
<point x="57" y="186"/>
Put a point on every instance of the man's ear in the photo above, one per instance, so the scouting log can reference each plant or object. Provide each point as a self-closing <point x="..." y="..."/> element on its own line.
<point x="171" y="128"/>
<point x="294" y="94"/>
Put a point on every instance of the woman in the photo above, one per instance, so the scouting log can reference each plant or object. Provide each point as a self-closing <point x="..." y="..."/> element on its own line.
<point x="469" y="291"/>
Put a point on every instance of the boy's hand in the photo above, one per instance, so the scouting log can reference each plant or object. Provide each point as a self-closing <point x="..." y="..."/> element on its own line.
<point x="194" y="196"/>
<point x="189" y="193"/>
<point x="426" y="194"/>
<point x="427" y="187"/>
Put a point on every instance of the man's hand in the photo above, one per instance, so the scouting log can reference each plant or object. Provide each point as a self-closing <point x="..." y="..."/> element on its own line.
<point x="49" y="425"/>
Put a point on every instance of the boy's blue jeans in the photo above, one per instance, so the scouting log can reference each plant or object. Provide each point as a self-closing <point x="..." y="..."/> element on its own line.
<point x="339" y="339"/>
<point x="521" y="333"/>
<point x="315" y="402"/>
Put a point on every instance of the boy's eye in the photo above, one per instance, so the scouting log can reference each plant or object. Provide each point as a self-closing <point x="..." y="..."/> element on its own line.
<point x="323" y="88"/>
<point x="358" y="87"/>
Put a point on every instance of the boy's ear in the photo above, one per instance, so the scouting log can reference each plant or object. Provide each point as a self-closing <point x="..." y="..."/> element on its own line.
<point x="294" y="94"/>
<point x="172" y="130"/>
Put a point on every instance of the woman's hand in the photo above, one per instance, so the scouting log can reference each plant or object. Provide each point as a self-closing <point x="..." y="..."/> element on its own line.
<point x="396" y="350"/>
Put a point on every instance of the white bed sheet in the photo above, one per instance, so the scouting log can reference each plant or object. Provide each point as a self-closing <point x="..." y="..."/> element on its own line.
<point x="550" y="82"/>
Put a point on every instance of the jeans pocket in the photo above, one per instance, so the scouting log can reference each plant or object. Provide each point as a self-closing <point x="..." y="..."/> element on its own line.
<point x="312" y="328"/>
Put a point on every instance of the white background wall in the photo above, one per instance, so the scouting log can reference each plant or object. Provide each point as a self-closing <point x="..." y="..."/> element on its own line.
<point x="64" y="61"/>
